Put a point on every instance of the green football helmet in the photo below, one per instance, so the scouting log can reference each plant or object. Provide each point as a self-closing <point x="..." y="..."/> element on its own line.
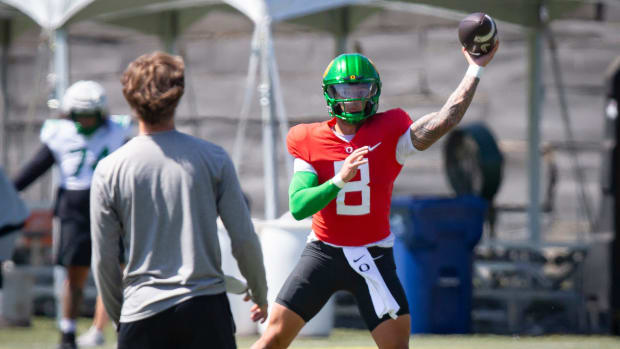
<point x="349" y="79"/>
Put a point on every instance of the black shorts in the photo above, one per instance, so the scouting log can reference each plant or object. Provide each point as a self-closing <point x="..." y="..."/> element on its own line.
<point x="75" y="244"/>
<point x="201" y="322"/>
<point x="322" y="270"/>
<point x="74" y="248"/>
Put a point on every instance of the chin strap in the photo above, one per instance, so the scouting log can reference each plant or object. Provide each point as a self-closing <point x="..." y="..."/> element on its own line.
<point x="87" y="131"/>
<point x="338" y="109"/>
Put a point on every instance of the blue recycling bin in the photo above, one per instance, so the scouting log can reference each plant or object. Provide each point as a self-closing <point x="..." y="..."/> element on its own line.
<point x="433" y="252"/>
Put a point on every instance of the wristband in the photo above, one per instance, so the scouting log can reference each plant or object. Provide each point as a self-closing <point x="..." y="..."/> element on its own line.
<point x="474" y="70"/>
<point x="337" y="180"/>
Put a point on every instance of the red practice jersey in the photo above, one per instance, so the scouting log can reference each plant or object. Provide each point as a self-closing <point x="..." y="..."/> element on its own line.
<point x="360" y="213"/>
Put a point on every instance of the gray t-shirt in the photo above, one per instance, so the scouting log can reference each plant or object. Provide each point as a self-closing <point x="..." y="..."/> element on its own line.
<point x="162" y="194"/>
<point x="13" y="210"/>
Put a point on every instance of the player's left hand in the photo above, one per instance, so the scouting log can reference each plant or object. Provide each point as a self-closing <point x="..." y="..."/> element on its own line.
<point x="352" y="162"/>
<point x="480" y="60"/>
<point x="257" y="313"/>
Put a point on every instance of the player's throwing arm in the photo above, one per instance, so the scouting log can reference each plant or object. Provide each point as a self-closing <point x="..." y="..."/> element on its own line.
<point x="428" y="129"/>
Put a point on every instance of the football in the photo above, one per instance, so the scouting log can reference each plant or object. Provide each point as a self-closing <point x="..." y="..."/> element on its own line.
<point x="478" y="33"/>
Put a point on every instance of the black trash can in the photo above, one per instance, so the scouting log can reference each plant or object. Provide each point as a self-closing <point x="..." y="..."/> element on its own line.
<point x="433" y="252"/>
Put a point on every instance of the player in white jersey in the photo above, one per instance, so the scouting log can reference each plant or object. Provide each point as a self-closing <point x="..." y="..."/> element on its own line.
<point x="75" y="144"/>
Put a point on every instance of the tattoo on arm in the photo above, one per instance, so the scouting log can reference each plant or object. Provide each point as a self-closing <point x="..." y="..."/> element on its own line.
<point x="429" y="128"/>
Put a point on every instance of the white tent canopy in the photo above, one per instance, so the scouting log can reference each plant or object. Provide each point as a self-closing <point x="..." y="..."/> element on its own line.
<point x="52" y="15"/>
<point x="49" y="14"/>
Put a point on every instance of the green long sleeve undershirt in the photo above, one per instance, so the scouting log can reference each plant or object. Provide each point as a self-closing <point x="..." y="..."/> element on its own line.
<point x="306" y="197"/>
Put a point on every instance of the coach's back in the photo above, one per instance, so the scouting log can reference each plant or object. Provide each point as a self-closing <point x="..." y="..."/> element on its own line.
<point x="162" y="194"/>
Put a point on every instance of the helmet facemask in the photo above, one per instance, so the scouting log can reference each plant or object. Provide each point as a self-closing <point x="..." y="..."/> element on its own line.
<point x="87" y="122"/>
<point x="351" y="87"/>
<point x="353" y="102"/>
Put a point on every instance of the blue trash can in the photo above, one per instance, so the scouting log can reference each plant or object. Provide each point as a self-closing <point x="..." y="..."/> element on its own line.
<point x="435" y="238"/>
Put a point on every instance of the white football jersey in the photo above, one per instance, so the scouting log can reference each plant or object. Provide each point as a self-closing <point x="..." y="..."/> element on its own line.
<point x="76" y="154"/>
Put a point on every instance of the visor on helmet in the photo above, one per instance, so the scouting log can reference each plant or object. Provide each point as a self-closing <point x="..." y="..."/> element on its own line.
<point x="79" y="114"/>
<point x="348" y="91"/>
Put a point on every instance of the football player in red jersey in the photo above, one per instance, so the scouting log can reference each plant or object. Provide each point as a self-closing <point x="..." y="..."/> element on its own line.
<point x="344" y="174"/>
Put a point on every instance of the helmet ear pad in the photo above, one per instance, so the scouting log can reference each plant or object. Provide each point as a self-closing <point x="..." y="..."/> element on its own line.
<point x="368" y="108"/>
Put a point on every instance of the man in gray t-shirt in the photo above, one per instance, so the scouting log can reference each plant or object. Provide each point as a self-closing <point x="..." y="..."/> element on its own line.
<point x="12" y="218"/>
<point x="162" y="193"/>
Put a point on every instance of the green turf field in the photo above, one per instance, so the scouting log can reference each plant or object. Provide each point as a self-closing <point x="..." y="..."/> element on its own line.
<point x="42" y="334"/>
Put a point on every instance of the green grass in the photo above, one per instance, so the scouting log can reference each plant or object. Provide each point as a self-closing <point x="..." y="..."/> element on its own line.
<point x="43" y="334"/>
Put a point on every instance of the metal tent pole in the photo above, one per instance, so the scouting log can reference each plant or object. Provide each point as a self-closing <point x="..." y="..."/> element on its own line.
<point x="584" y="199"/>
<point x="61" y="74"/>
<point x="250" y="84"/>
<point x="342" y="36"/>
<point x="535" y="96"/>
<point x="276" y="91"/>
<point x="61" y="62"/>
<point x="4" y="62"/>
<point x="270" y="172"/>
<point x="613" y="110"/>
<point x="171" y="31"/>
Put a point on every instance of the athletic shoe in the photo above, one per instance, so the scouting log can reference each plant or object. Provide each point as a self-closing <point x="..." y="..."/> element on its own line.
<point x="91" y="338"/>
<point x="67" y="341"/>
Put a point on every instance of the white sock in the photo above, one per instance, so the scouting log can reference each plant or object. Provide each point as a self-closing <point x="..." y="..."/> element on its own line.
<point x="95" y="329"/>
<point x="67" y="325"/>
